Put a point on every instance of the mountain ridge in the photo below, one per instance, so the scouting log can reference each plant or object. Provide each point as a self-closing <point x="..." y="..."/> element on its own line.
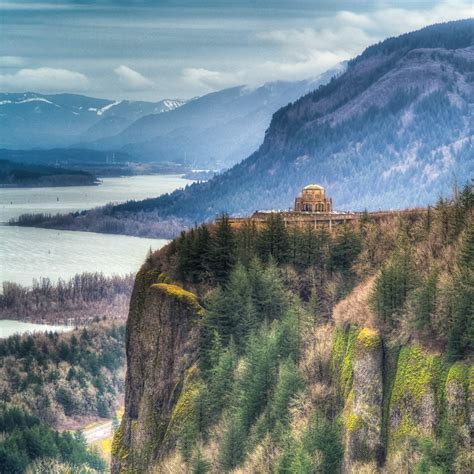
<point x="391" y="132"/>
<point x="31" y="119"/>
<point x="218" y="129"/>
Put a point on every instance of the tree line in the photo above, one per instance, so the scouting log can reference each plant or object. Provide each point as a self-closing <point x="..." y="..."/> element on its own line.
<point x="83" y="297"/>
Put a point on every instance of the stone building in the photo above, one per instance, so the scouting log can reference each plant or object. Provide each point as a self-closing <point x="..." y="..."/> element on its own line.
<point x="314" y="209"/>
<point x="313" y="199"/>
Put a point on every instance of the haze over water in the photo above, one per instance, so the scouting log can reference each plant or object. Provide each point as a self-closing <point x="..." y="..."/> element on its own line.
<point x="27" y="253"/>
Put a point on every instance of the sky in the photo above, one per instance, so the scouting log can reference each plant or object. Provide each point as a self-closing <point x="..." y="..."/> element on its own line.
<point x="156" y="49"/>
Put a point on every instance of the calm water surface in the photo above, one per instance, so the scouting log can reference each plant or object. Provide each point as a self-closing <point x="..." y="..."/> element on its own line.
<point x="27" y="253"/>
<point x="16" y="201"/>
<point x="9" y="327"/>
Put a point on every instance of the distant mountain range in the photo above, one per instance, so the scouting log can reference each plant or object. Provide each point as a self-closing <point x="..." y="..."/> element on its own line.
<point x="32" y="120"/>
<point x="395" y="130"/>
<point x="214" y="131"/>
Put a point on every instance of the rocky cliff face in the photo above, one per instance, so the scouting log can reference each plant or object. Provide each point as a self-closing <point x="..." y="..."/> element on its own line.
<point x="394" y="395"/>
<point x="388" y="396"/>
<point x="161" y="340"/>
<point x="363" y="410"/>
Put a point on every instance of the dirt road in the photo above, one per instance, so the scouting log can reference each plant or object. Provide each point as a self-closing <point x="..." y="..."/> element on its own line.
<point x="98" y="431"/>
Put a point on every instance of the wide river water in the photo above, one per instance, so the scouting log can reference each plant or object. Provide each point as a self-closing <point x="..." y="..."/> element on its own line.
<point x="27" y="253"/>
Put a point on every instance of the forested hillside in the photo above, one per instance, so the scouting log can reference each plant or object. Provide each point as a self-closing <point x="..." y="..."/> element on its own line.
<point x="32" y="175"/>
<point x="395" y="130"/>
<point x="300" y="350"/>
<point x="53" y="382"/>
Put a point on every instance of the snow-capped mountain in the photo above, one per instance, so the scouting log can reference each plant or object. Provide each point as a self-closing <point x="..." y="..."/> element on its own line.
<point x="30" y="119"/>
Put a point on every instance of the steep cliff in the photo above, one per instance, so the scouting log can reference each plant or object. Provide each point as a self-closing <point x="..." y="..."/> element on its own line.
<point x="161" y="346"/>
<point x="353" y="361"/>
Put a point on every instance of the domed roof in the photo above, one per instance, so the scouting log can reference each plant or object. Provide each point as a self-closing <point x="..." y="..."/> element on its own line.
<point x="313" y="187"/>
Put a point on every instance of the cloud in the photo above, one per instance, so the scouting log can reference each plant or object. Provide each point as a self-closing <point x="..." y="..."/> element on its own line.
<point x="11" y="61"/>
<point x="305" y="53"/>
<point x="132" y="80"/>
<point x="210" y="80"/>
<point x="34" y="6"/>
<point x="44" y="79"/>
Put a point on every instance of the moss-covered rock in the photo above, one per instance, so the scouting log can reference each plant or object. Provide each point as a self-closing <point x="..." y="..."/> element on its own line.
<point x="363" y="409"/>
<point x="162" y="339"/>
<point x="417" y="390"/>
<point x="342" y="359"/>
<point x="457" y="394"/>
<point x="178" y="293"/>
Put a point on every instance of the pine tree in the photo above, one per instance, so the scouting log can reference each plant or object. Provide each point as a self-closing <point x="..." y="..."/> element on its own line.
<point x="269" y="293"/>
<point x="425" y="301"/>
<point x="461" y="332"/>
<point x="222" y="250"/>
<point x="345" y="248"/>
<point x="289" y="382"/>
<point x="232" y="449"/>
<point x="247" y="242"/>
<point x="274" y="240"/>
<point x="394" y="283"/>
<point x="240" y="304"/>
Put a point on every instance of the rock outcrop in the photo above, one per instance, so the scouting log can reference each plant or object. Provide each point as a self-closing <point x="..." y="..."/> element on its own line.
<point x="162" y="336"/>
<point x="363" y="409"/>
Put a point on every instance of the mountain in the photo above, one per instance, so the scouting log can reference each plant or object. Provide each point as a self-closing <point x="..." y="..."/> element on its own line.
<point x="395" y="130"/>
<point x="30" y="120"/>
<point x="213" y="131"/>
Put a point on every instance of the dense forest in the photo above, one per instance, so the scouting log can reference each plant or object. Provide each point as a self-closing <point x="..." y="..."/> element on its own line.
<point x="81" y="299"/>
<point x="53" y="382"/>
<point x="287" y="319"/>
<point x="28" y="174"/>
<point x="30" y="445"/>
<point x="63" y="377"/>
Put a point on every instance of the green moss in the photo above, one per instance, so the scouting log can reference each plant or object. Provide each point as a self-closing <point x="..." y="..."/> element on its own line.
<point x="164" y="278"/>
<point x="342" y="358"/>
<point x="459" y="372"/>
<point x="178" y="293"/>
<point x="368" y="340"/>
<point x="338" y="349"/>
<point x="184" y="411"/>
<point x="354" y="422"/>
<point x="415" y="373"/>
<point x="119" y="451"/>
<point x="418" y="373"/>
<point x="459" y="377"/>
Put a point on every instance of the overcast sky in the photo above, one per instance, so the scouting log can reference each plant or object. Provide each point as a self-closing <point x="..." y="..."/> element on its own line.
<point x="183" y="48"/>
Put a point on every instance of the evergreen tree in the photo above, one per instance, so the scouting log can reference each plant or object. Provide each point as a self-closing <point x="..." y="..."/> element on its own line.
<point x="289" y="382"/>
<point x="425" y="301"/>
<point x="232" y="449"/>
<point x="240" y="304"/>
<point x="222" y="252"/>
<point x="395" y="281"/>
<point x="269" y="293"/>
<point x="274" y="240"/>
<point x="461" y="332"/>
<point x="247" y="242"/>
<point x="345" y="249"/>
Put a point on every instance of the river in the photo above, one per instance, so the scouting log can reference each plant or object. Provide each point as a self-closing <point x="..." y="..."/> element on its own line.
<point x="9" y="327"/>
<point x="27" y="253"/>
